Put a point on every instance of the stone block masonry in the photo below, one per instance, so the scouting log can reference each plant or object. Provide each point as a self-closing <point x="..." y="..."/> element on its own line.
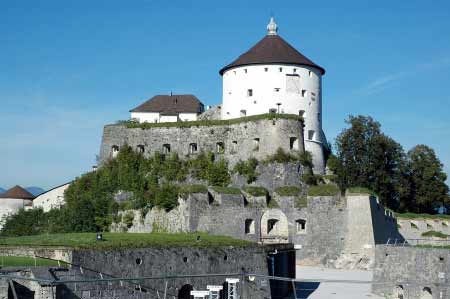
<point x="237" y="141"/>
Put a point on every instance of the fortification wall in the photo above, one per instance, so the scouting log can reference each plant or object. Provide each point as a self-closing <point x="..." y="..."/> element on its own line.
<point x="412" y="230"/>
<point x="234" y="142"/>
<point x="413" y="272"/>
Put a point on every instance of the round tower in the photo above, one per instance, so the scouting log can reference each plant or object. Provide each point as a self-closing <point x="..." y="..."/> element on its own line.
<point x="274" y="77"/>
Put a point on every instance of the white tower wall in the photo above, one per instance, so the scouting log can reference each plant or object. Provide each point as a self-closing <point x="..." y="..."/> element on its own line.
<point x="255" y="89"/>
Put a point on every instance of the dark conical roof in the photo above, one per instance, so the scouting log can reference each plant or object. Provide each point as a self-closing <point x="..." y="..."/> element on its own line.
<point x="270" y="50"/>
<point x="17" y="192"/>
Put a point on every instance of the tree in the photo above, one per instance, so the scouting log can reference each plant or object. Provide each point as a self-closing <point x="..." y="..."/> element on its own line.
<point x="365" y="157"/>
<point x="427" y="179"/>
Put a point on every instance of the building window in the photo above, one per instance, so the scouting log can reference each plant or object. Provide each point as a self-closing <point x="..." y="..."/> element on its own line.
<point x="301" y="113"/>
<point x="234" y="146"/>
<point x="318" y="116"/>
<point x="114" y="151"/>
<point x="193" y="148"/>
<point x="310" y="73"/>
<point x="249" y="226"/>
<point x="277" y="89"/>
<point x="304" y="94"/>
<point x="293" y="143"/>
<point x="243" y="113"/>
<point x="300" y="225"/>
<point x="281" y="69"/>
<point x="166" y="148"/>
<point x="220" y="147"/>
<point x="295" y="70"/>
<point x="266" y="69"/>
<point x="256" y="144"/>
<point x="311" y="134"/>
<point x="271" y="225"/>
<point x="140" y="149"/>
<point x="249" y="92"/>
<point x="245" y="71"/>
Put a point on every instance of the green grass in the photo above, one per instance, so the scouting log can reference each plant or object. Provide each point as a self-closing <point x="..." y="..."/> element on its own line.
<point x="323" y="190"/>
<point x="360" y="190"/>
<point x="421" y="216"/>
<point x="272" y="204"/>
<point x="124" y="240"/>
<point x="189" y="189"/>
<point x="226" y="190"/>
<point x="256" y="191"/>
<point x="436" y="234"/>
<point x="23" y="261"/>
<point x="188" y="124"/>
<point x="288" y="191"/>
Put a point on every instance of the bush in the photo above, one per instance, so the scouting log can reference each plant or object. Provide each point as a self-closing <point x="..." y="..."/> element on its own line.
<point x="256" y="191"/>
<point x="436" y="234"/>
<point x="167" y="197"/>
<point x="288" y="191"/>
<point x="323" y="190"/>
<point x="305" y="159"/>
<point x="226" y="190"/>
<point x="247" y="169"/>
<point x="309" y="179"/>
<point x="128" y="218"/>
<point x="281" y="156"/>
<point x="218" y="174"/>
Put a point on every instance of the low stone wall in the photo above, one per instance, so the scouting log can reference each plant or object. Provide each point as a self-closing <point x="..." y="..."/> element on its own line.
<point x="56" y="253"/>
<point x="413" y="272"/>
<point x="412" y="229"/>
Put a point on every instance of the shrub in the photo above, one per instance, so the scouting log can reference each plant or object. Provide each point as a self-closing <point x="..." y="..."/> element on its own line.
<point x="167" y="197"/>
<point x="305" y="159"/>
<point x="247" y="169"/>
<point x="436" y="234"/>
<point x="226" y="190"/>
<point x="323" y="190"/>
<point x="128" y="218"/>
<point x="218" y="174"/>
<point x="272" y="204"/>
<point x="256" y="191"/>
<point x="288" y="191"/>
<point x="309" y="179"/>
<point x="281" y="156"/>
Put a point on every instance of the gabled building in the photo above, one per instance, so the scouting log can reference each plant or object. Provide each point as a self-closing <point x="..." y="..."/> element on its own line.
<point x="168" y="108"/>
<point x="13" y="200"/>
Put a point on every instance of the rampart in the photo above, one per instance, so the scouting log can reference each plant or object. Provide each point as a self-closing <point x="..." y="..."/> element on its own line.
<point x="234" y="140"/>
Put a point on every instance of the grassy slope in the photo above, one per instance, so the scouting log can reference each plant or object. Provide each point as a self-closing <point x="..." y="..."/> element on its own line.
<point x="21" y="261"/>
<point x="124" y="240"/>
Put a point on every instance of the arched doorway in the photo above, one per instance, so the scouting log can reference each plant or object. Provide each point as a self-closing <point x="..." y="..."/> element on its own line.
<point x="274" y="227"/>
<point x="185" y="292"/>
<point x="426" y="293"/>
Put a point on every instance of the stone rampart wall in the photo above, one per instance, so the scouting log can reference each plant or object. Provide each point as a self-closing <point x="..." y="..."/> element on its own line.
<point x="413" y="272"/>
<point x="241" y="141"/>
<point x="412" y="230"/>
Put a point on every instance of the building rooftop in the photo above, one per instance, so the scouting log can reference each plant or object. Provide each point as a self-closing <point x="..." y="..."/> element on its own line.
<point x="17" y="192"/>
<point x="272" y="49"/>
<point x="171" y="104"/>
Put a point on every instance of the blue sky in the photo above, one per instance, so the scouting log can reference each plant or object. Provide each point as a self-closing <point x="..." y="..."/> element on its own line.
<point x="69" y="67"/>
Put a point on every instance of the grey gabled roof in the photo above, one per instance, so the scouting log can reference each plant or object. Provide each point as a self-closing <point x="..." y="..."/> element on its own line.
<point x="171" y="104"/>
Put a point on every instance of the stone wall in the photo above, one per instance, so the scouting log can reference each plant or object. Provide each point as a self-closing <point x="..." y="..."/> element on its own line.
<point x="413" y="272"/>
<point x="412" y="230"/>
<point x="239" y="141"/>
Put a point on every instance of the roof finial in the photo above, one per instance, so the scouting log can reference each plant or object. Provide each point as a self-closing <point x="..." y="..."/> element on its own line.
<point x="272" y="27"/>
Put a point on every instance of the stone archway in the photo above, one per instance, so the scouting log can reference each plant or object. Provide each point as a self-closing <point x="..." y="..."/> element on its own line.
<point x="185" y="292"/>
<point x="274" y="227"/>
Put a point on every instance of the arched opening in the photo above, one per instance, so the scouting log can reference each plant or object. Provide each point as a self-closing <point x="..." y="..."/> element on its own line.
<point x="114" y="151"/>
<point x="426" y="293"/>
<point x="293" y="143"/>
<point x="249" y="226"/>
<point x="140" y="148"/>
<point x="166" y="148"/>
<point x="399" y="292"/>
<point x="185" y="292"/>
<point x="300" y="225"/>
<point x="274" y="227"/>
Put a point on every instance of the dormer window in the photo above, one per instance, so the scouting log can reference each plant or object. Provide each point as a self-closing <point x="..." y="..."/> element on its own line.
<point x="249" y="92"/>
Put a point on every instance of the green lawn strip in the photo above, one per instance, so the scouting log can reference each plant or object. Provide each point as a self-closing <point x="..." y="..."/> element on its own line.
<point x="187" y="124"/>
<point x="124" y="240"/>
<point x="323" y="190"/>
<point x="432" y="233"/>
<point x="24" y="261"/>
<point x="421" y="216"/>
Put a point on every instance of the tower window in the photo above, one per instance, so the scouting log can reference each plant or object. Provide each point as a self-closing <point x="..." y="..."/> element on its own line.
<point x="318" y="116"/>
<point x="243" y="112"/>
<point x="304" y="94"/>
<point x="311" y="134"/>
<point x="266" y="69"/>
<point x="249" y="92"/>
<point x="301" y="113"/>
<point x="295" y="70"/>
<point x="245" y="71"/>
<point x="281" y="69"/>
<point x="277" y="89"/>
<point x="310" y="73"/>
